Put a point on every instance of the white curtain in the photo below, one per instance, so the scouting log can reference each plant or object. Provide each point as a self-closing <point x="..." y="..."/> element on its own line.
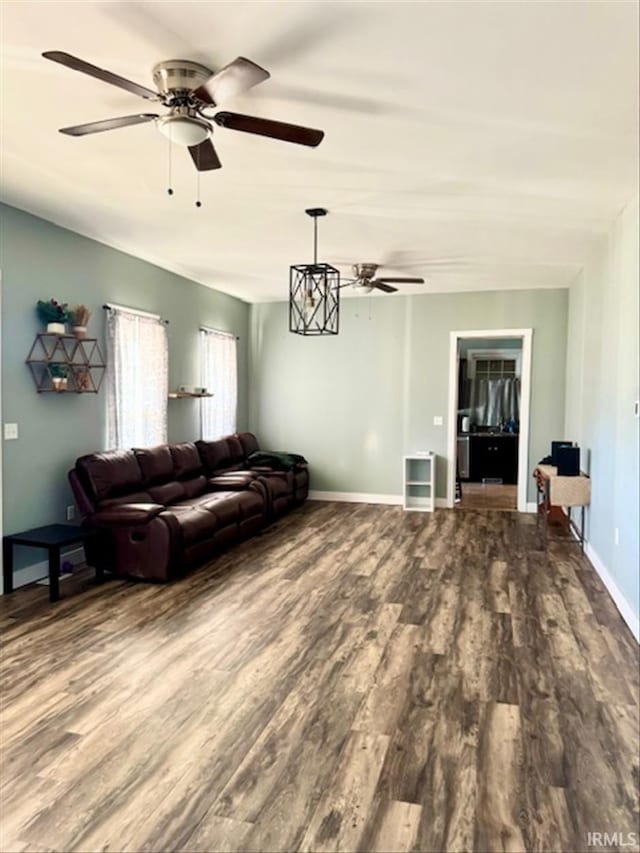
<point x="219" y="371"/>
<point x="137" y="380"/>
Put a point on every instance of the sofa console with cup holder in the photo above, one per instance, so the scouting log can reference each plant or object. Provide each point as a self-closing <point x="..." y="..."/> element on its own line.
<point x="161" y="510"/>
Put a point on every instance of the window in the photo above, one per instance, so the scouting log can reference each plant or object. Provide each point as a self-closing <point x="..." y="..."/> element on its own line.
<point x="219" y="371"/>
<point x="495" y="368"/>
<point x="137" y="379"/>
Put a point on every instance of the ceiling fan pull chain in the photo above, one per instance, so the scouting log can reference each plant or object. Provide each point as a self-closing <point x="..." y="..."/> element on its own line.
<point x="198" y="202"/>
<point x="170" y="190"/>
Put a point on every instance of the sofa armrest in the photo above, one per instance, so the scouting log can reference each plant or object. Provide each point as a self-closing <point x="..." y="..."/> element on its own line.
<point x="125" y="515"/>
<point x="231" y="482"/>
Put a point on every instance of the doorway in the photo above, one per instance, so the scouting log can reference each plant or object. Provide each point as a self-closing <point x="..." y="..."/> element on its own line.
<point x="489" y="395"/>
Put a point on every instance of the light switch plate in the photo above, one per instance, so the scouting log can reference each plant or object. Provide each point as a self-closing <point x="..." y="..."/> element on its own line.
<point x="437" y="420"/>
<point x="10" y="431"/>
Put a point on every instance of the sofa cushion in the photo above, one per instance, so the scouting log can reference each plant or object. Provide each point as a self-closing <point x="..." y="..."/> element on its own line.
<point x="156" y="464"/>
<point x="236" y="453"/>
<point x="167" y="493"/>
<point x="196" y="486"/>
<point x="214" y="454"/>
<point x="129" y="498"/>
<point x="249" y="443"/>
<point x="110" y="474"/>
<point x="225" y="506"/>
<point x="186" y="460"/>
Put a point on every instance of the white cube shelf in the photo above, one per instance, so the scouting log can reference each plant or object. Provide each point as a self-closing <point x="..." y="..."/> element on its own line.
<point x="419" y="482"/>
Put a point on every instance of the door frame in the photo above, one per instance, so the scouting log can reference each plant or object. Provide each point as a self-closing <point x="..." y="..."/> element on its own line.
<point x="526" y="335"/>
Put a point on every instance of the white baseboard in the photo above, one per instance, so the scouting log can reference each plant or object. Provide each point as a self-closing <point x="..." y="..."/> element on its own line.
<point x="355" y="497"/>
<point x="365" y="498"/>
<point x="620" y="601"/>
<point x="624" y="608"/>
<point x="38" y="571"/>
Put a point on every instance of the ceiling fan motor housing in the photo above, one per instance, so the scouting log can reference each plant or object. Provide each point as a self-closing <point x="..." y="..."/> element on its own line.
<point x="365" y="271"/>
<point x="177" y="76"/>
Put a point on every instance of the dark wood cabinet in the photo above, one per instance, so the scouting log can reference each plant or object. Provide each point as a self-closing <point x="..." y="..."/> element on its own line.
<point x="494" y="457"/>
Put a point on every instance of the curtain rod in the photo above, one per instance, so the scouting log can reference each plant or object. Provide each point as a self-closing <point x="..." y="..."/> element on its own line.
<point x="111" y="306"/>
<point x="218" y="332"/>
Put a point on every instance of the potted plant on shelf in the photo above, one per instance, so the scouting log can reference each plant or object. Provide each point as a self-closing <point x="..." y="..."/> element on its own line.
<point x="55" y="314"/>
<point x="82" y="378"/>
<point x="80" y="316"/>
<point x="59" y="376"/>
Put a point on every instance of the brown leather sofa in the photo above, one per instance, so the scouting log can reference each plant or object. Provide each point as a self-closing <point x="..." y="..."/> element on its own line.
<point x="164" y="509"/>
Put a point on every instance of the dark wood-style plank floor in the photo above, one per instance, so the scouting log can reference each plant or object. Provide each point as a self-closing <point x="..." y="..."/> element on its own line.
<point x="354" y="679"/>
<point x="488" y="496"/>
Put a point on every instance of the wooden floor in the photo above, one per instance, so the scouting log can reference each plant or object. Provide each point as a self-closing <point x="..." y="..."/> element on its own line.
<point x="488" y="496"/>
<point x="357" y="678"/>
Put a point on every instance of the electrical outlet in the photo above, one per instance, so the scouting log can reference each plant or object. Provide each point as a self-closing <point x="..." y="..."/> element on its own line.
<point x="71" y="512"/>
<point x="438" y="420"/>
<point x="10" y="431"/>
<point x="616" y="536"/>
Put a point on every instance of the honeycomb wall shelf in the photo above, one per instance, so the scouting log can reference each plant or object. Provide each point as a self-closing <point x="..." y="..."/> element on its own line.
<point x="80" y="358"/>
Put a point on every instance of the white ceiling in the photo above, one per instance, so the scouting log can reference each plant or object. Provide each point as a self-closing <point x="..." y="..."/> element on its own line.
<point x="501" y="135"/>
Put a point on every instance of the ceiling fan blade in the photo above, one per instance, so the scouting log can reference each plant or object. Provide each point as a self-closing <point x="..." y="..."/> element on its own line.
<point x="273" y="129"/>
<point x="236" y="77"/>
<point x="107" y="124"/>
<point x="204" y="156"/>
<point x="386" y="288"/>
<point x="101" y="74"/>
<point x="394" y="280"/>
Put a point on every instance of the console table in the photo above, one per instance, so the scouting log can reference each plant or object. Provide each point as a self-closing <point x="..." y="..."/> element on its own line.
<point x="555" y="491"/>
<point x="52" y="537"/>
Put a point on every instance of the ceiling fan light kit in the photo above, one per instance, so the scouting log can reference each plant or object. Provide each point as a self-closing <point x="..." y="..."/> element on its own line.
<point x="314" y="292"/>
<point x="183" y="128"/>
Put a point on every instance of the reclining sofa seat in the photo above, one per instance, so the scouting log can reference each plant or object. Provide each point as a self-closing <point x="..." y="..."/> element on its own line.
<point x="229" y="455"/>
<point x="166" y="508"/>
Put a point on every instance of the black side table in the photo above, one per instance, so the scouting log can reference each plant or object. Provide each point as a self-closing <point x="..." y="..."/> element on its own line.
<point x="53" y="537"/>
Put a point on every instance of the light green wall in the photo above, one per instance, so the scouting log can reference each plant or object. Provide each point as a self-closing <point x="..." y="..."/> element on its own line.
<point x="602" y="387"/>
<point x="41" y="260"/>
<point x="355" y="403"/>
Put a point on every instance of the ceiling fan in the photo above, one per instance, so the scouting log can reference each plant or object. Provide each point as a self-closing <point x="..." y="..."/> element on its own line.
<point x="188" y="89"/>
<point x="364" y="280"/>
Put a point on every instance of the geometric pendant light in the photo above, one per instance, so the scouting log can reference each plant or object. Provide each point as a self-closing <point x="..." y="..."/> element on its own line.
<point x="314" y="292"/>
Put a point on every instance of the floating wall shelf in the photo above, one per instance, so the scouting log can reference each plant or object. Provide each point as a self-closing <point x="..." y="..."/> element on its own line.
<point x="182" y="395"/>
<point x="81" y="359"/>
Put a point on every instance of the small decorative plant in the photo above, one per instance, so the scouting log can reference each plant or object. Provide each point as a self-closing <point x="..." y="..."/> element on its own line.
<point x="80" y="316"/>
<point x="59" y="376"/>
<point x="59" y="371"/>
<point x="52" y="311"/>
<point x="83" y="378"/>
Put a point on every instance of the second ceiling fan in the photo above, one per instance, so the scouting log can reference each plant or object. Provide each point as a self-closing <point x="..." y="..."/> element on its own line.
<point x="365" y="280"/>
<point x="190" y="90"/>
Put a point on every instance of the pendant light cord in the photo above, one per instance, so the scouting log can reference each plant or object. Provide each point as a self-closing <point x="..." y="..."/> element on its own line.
<point x="315" y="240"/>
